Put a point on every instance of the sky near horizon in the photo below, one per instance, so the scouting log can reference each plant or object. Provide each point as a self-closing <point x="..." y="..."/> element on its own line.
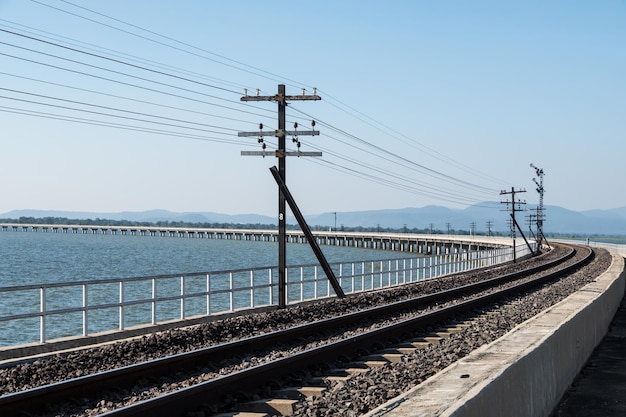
<point x="130" y="106"/>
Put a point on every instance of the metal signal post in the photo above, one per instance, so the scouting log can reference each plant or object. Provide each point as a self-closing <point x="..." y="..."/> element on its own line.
<point x="281" y="98"/>
<point x="540" y="216"/>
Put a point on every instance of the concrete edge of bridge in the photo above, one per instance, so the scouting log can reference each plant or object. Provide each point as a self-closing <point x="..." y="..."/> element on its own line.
<point x="527" y="371"/>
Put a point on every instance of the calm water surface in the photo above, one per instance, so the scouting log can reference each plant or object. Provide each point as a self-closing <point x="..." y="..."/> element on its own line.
<point x="33" y="258"/>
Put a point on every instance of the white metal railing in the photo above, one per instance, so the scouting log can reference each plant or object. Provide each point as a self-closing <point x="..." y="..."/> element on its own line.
<point x="615" y="247"/>
<point x="43" y="312"/>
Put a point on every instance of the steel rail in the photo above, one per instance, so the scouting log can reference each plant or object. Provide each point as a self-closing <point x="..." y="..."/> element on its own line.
<point x="36" y="399"/>
<point x="188" y="399"/>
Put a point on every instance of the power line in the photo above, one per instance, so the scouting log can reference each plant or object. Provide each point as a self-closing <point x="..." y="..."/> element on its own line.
<point x="127" y="98"/>
<point x="117" y="61"/>
<point x="111" y="52"/>
<point x="94" y="122"/>
<point x="108" y="69"/>
<point x="386" y="129"/>
<point x="434" y="191"/>
<point x="85" y="103"/>
<point x="405" y="139"/>
<point x="109" y="114"/>
<point x="377" y="151"/>
<point x="426" y="170"/>
<point x="274" y="77"/>
<point x="129" y="84"/>
<point x="109" y="108"/>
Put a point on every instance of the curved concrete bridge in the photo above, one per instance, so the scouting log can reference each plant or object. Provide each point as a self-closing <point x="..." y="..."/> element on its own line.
<point x="403" y="242"/>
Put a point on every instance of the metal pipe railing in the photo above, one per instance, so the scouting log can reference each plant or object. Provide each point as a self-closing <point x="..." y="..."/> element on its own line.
<point x="92" y="306"/>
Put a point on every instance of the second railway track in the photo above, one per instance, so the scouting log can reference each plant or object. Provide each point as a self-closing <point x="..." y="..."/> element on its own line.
<point x="216" y="378"/>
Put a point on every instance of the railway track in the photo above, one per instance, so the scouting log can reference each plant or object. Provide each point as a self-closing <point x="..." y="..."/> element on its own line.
<point x="208" y="382"/>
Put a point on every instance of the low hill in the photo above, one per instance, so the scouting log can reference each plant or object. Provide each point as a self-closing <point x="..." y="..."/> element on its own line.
<point x="557" y="219"/>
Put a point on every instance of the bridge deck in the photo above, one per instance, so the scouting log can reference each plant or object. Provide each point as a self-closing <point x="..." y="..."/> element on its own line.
<point x="404" y="242"/>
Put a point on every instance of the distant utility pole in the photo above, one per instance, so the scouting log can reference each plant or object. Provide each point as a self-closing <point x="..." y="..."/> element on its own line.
<point x="281" y="153"/>
<point x="514" y="207"/>
<point x="489" y="226"/>
<point x="448" y="226"/>
<point x="532" y="220"/>
<point x="473" y="229"/>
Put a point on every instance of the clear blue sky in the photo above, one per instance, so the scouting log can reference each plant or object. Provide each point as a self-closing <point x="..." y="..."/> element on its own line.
<point x="423" y="102"/>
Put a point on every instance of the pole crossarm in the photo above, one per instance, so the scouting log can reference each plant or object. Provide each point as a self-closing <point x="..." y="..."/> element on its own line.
<point x="281" y="98"/>
<point x="279" y="154"/>
<point x="279" y="133"/>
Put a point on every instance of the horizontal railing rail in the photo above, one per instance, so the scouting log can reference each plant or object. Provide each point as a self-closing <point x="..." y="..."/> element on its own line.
<point x="43" y="312"/>
<point x="615" y="247"/>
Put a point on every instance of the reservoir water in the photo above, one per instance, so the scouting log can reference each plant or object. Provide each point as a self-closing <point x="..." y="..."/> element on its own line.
<point x="33" y="258"/>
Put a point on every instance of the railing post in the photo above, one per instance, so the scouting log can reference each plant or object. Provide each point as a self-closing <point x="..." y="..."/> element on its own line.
<point x="271" y="282"/>
<point x="154" y="290"/>
<point x="231" y="295"/>
<point x="42" y="311"/>
<point x="85" y="322"/>
<point x="430" y="266"/>
<point x="397" y="272"/>
<point x="252" y="288"/>
<point x="362" y="276"/>
<point x="353" y="277"/>
<point x="208" y="294"/>
<point x="341" y="275"/>
<point x="121" y="308"/>
<point x="315" y="284"/>
<point x="301" y="283"/>
<point x="182" y="298"/>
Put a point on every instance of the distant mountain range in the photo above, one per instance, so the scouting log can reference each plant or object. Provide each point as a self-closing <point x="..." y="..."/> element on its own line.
<point x="557" y="219"/>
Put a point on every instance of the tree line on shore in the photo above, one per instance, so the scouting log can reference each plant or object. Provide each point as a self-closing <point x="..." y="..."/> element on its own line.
<point x="214" y="225"/>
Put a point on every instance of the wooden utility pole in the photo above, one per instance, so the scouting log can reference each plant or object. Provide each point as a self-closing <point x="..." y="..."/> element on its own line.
<point x="281" y="98"/>
<point x="513" y="210"/>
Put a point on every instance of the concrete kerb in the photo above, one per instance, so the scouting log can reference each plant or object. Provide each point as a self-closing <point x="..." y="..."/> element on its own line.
<point x="527" y="371"/>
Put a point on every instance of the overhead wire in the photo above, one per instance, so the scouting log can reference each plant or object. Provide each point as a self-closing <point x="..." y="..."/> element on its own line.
<point x="240" y="63"/>
<point x="428" y="171"/>
<point x="129" y="84"/>
<point x="129" y="98"/>
<point x="427" y="190"/>
<point x="108" y="114"/>
<point x="118" y="54"/>
<point x="259" y="71"/>
<point x="94" y="122"/>
<point x="117" y="61"/>
<point x="385" y="129"/>
<point x="378" y="151"/>
<point x="114" y="109"/>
